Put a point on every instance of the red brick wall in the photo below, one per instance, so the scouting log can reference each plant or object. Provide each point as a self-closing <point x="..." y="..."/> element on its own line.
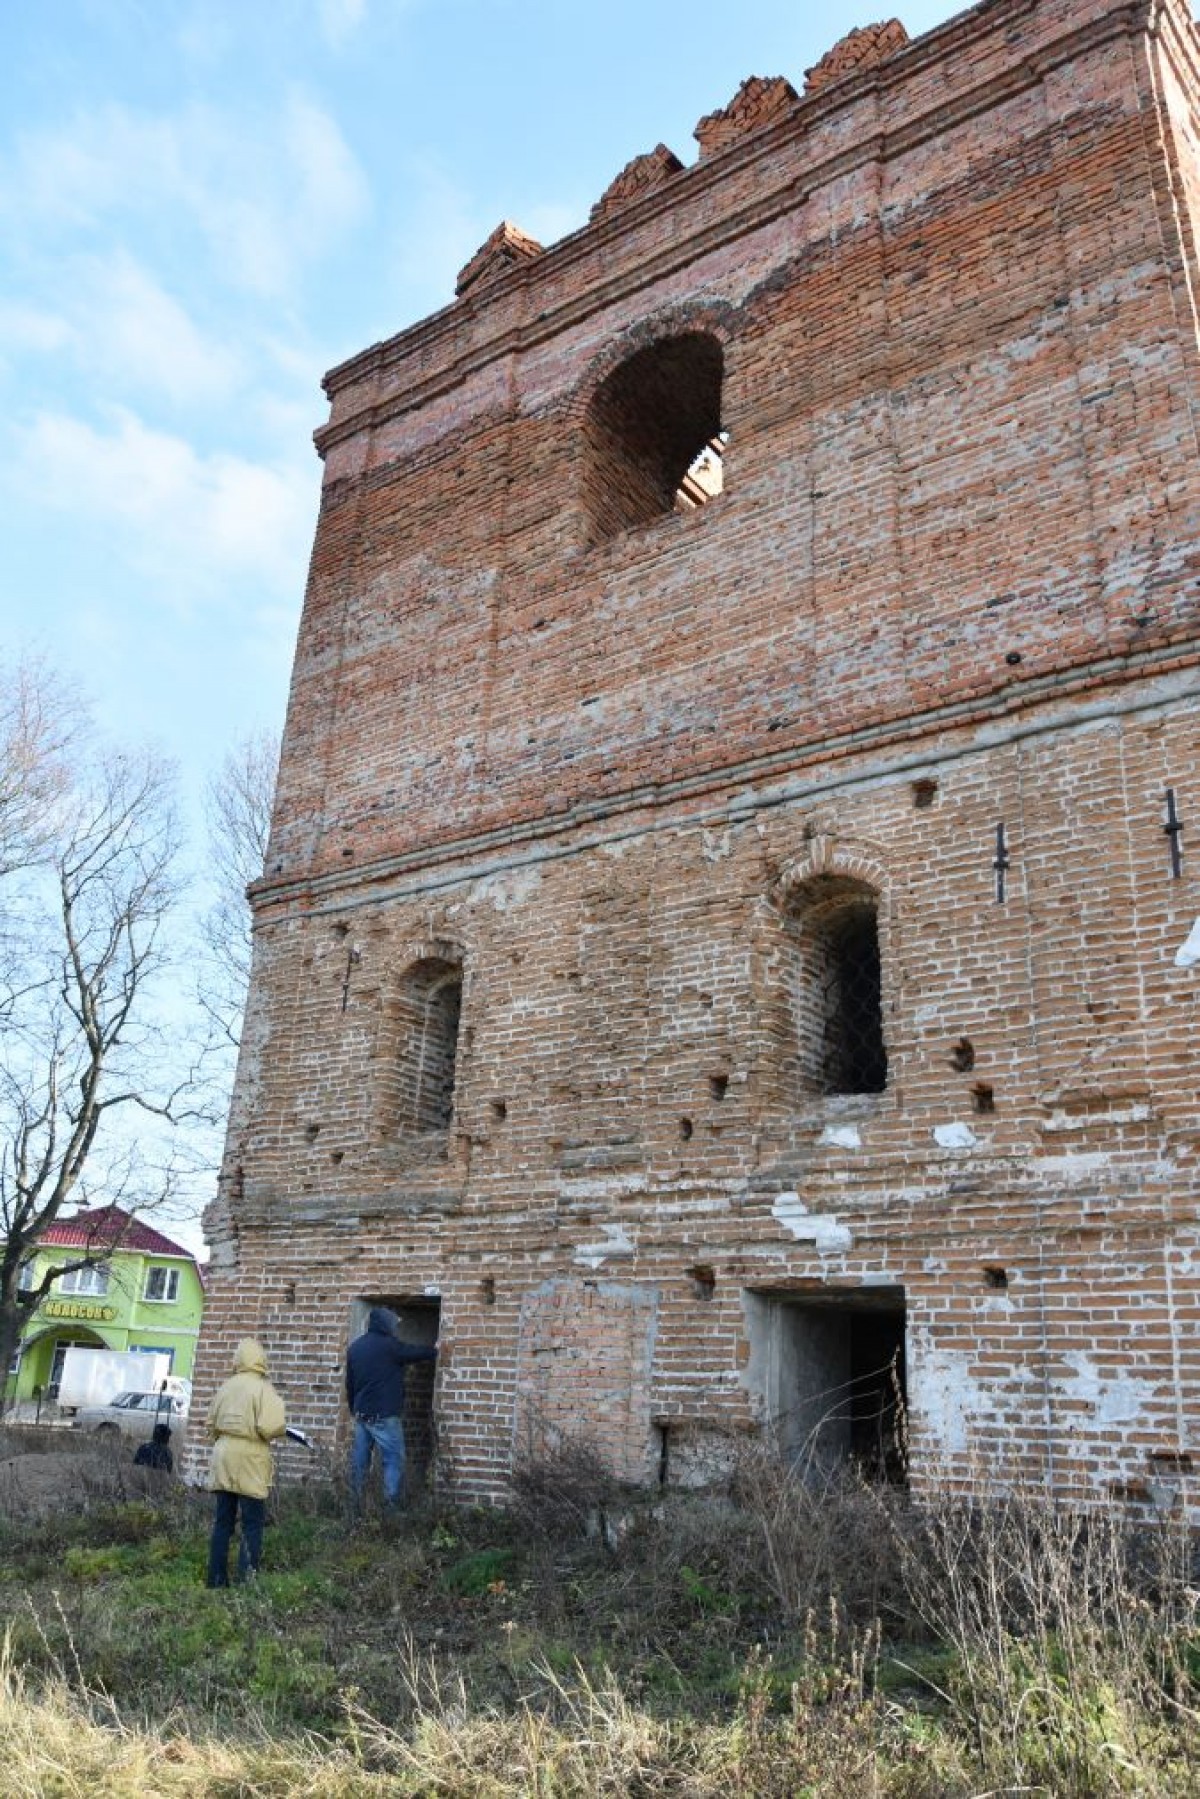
<point x="957" y="544"/>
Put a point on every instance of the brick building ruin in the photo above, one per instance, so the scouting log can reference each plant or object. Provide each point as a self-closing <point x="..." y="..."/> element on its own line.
<point x="723" y="952"/>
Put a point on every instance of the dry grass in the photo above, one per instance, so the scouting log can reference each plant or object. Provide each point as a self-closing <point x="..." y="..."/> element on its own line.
<point x="781" y="1638"/>
<point x="57" y="1741"/>
<point x="583" y="1738"/>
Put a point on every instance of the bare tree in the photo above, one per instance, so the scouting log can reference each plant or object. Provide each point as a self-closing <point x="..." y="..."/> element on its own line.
<point x="240" y="799"/>
<point x="84" y="1050"/>
<point x="40" y="725"/>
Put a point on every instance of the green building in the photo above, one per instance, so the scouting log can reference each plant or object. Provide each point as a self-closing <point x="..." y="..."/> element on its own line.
<point x="147" y="1295"/>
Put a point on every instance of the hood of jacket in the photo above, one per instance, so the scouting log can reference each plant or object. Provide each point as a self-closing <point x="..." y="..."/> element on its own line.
<point x="382" y="1322"/>
<point x="249" y="1357"/>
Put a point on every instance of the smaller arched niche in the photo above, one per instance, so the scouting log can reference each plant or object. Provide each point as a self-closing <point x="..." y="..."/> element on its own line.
<point x="653" y="434"/>
<point x="417" y="1079"/>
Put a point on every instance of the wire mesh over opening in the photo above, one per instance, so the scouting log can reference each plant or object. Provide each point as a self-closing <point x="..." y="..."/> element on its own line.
<point x="832" y="949"/>
<point x="854" y="1059"/>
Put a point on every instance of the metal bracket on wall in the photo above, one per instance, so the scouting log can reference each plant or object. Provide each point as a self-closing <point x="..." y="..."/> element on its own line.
<point x="1001" y="864"/>
<point x="1173" y="827"/>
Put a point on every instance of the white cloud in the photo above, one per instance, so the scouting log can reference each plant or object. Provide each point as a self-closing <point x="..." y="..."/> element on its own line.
<point x="186" y="518"/>
<point x="443" y="227"/>
<point x="340" y="19"/>
<point x="137" y="334"/>
<point x="267" y="196"/>
<point x="332" y="190"/>
<point x="442" y="230"/>
<point x="31" y="328"/>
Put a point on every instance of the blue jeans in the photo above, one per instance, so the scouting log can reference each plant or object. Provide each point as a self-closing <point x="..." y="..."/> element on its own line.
<point x="254" y="1512"/>
<point x="387" y="1435"/>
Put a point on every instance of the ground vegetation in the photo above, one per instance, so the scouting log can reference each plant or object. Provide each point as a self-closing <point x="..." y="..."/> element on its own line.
<point x="772" y="1637"/>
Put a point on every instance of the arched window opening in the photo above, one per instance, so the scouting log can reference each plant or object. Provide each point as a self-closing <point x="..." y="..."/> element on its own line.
<point x="654" y="438"/>
<point x="854" y="1058"/>
<point x="840" y="1001"/>
<point x="427" y="1011"/>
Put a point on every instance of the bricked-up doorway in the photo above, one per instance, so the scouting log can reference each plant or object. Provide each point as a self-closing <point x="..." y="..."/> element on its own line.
<point x="420" y="1322"/>
<point x="829" y="1369"/>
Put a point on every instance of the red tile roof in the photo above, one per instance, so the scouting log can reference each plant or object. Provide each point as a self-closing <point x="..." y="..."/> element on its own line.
<point x="109" y="1226"/>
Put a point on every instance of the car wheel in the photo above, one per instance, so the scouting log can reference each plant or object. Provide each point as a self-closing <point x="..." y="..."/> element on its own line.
<point x="107" y="1430"/>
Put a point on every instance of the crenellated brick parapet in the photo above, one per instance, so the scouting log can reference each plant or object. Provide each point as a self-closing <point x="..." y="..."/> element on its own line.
<point x="863" y="49"/>
<point x="640" y="176"/>
<point x="756" y="104"/>
<point x="507" y="248"/>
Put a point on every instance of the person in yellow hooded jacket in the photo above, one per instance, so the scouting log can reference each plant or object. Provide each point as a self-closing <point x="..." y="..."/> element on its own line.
<point x="244" y="1419"/>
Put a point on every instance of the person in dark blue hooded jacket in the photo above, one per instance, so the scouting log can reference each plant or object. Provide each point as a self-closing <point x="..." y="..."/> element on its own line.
<point x="375" y="1365"/>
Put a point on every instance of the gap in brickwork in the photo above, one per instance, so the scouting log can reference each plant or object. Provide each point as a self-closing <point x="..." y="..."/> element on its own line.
<point x="653" y="435"/>
<point x="831" y="1370"/>
<point x="418" y="1320"/>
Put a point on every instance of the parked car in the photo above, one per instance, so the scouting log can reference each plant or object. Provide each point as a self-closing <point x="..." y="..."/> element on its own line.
<point x="134" y="1414"/>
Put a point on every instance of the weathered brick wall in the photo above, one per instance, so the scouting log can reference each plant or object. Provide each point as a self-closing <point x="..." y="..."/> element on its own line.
<point x="951" y="584"/>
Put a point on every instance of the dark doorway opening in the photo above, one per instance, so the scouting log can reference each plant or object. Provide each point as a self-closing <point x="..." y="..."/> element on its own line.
<point x="830" y="1369"/>
<point x="419" y="1319"/>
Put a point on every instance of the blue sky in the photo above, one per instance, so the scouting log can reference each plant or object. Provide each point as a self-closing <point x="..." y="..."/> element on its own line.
<point x="204" y="204"/>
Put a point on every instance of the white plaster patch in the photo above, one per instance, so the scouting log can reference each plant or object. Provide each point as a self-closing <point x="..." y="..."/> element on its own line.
<point x="432" y="1292"/>
<point x="601" y="1186"/>
<point x="954" y="1136"/>
<point x="825" y="1234"/>
<point x="1116" y="1399"/>
<point x="513" y="888"/>
<point x="1188" y="953"/>
<point x="841" y="1136"/>
<point x="617" y="1242"/>
<point x="1077" y="1165"/>
<point x="1136" y="1113"/>
<point x="949" y="1401"/>
<point x="717" y="845"/>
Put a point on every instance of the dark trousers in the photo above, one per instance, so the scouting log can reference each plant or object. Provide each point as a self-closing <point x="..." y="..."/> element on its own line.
<point x="254" y="1512"/>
